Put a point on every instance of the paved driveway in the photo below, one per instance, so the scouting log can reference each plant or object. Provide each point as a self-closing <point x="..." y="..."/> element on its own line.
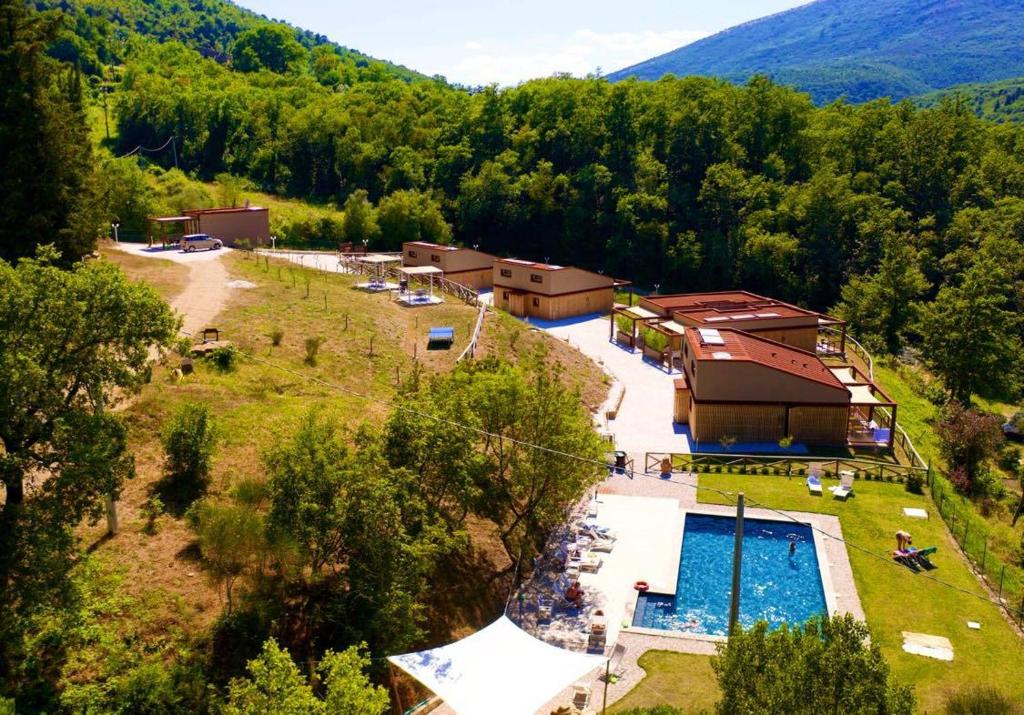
<point x="644" y="422"/>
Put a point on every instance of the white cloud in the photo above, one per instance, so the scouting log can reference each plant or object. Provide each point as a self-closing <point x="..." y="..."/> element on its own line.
<point x="579" y="53"/>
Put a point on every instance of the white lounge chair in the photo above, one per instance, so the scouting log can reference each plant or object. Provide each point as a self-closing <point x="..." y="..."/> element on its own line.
<point x="590" y="562"/>
<point x="814" y="485"/>
<point x="616" y="664"/>
<point x="845" y="487"/>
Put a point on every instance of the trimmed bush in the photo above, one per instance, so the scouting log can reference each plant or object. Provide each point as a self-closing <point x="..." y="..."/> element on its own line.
<point x="276" y="336"/>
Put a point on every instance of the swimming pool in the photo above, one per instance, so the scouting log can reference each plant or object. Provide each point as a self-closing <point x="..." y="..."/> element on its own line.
<point x="776" y="586"/>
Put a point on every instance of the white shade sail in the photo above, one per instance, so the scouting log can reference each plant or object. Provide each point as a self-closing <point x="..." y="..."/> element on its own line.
<point x="499" y="670"/>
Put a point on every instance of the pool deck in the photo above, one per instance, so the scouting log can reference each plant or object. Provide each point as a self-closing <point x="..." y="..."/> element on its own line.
<point x="622" y="503"/>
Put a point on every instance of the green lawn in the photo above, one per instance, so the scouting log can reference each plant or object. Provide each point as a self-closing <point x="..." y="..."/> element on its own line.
<point x="684" y="680"/>
<point x="894" y="598"/>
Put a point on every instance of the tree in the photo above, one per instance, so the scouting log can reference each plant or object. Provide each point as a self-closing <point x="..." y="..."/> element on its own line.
<point x="272" y="47"/>
<point x="881" y="305"/>
<point x="72" y="344"/>
<point x="231" y="537"/>
<point x="411" y="216"/>
<point x="275" y="685"/>
<point x="189" y="439"/>
<point x="968" y="333"/>
<point x="360" y="222"/>
<point x="47" y="194"/>
<point x="967" y="438"/>
<point x="823" y="666"/>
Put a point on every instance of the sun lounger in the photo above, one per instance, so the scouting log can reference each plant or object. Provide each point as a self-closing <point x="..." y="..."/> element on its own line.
<point x="590" y="562"/>
<point x="604" y="546"/>
<point x="845" y="487"/>
<point x="441" y="336"/>
<point x="616" y="664"/>
<point x="580" y="696"/>
<point x="545" y="607"/>
<point x="921" y="556"/>
<point x="814" y="485"/>
<point x="907" y="559"/>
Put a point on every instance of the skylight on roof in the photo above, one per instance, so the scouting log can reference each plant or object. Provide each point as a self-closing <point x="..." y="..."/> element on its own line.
<point x="745" y="316"/>
<point x="717" y="318"/>
<point x="722" y="356"/>
<point x="768" y="315"/>
<point x="520" y="261"/>
<point x="710" y="336"/>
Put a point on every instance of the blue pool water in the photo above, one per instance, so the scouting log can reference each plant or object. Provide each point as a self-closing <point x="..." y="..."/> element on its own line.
<point x="775" y="587"/>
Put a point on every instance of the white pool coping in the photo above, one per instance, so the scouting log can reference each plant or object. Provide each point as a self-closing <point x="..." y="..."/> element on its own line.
<point x="820" y="551"/>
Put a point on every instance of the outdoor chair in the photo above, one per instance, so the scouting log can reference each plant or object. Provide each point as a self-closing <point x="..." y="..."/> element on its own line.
<point x="602" y="545"/>
<point x="814" y="485"/>
<point x="545" y="608"/>
<point x="845" y="487"/>
<point x="616" y="664"/>
<point x="590" y="562"/>
<point x="580" y="696"/>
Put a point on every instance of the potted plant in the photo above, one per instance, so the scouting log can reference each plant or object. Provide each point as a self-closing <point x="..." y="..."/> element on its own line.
<point x="655" y="344"/>
<point x="624" y="331"/>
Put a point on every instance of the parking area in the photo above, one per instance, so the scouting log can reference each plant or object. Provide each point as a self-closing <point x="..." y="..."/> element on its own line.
<point x="171" y="253"/>
<point x="644" y="420"/>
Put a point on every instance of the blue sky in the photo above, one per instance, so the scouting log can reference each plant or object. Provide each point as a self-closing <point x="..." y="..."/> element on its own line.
<point x="508" y="41"/>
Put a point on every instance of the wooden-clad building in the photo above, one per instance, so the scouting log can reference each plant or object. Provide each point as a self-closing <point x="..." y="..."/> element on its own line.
<point x="251" y="223"/>
<point x="465" y="266"/>
<point x="747" y="387"/>
<point x="549" y="292"/>
<point x="751" y="313"/>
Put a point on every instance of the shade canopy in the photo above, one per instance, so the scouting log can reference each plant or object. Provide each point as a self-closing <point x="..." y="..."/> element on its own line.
<point x="378" y="258"/>
<point x="862" y="395"/>
<point x="420" y="270"/>
<point x="500" y="670"/>
<point x="639" y="313"/>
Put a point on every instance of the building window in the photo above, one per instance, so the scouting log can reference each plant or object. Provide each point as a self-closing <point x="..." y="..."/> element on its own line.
<point x="693" y="368"/>
<point x="536" y="302"/>
<point x="435" y="258"/>
<point x="412" y="254"/>
<point x="506" y="272"/>
<point x="536" y="278"/>
<point x="504" y="296"/>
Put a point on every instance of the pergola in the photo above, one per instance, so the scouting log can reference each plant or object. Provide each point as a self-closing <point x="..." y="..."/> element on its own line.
<point x="378" y="262"/>
<point x="428" y="273"/>
<point x="872" y="412"/>
<point x="635" y="314"/>
<point x="161" y="223"/>
<point x="831" y="336"/>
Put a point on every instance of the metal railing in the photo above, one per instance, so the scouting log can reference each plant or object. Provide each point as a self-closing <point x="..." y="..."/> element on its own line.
<point x="471" y="348"/>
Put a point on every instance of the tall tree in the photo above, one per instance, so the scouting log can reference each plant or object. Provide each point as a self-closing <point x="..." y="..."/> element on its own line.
<point x="272" y="47"/>
<point x="823" y="666"/>
<point x="969" y="333"/>
<point x="71" y="343"/>
<point x="360" y="222"/>
<point x="46" y="189"/>
<point x="881" y="305"/>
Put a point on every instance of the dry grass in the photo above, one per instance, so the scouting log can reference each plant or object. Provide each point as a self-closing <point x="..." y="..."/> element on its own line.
<point x="262" y="400"/>
<point x="168" y="277"/>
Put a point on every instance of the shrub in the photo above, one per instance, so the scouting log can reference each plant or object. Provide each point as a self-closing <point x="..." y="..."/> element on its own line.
<point x="1009" y="459"/>
<point x="980" y="701"/>
<point x="960" y="480"/>
<point x="276" y="335"/>
<point x="915" y="483"/>
<point x="189" y="440"/>
<point x="989" y="507"/>
<point x="312" y="348"/>
<point x="224" y="358"/>
<point x="152" y="508"/>
<point x="654" y="339"/>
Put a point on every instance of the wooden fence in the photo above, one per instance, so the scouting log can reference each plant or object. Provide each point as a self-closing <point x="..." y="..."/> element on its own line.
<point x="471" y="348"/>
<point x="782" y="465"/>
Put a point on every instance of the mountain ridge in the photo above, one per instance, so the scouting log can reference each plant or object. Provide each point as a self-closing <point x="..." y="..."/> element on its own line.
<point x="848" y="48"/>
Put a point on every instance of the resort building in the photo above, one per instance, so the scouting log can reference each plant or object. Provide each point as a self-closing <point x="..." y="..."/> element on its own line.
<point x="231" y="224"/>
<point x="464" y="266"/>
<point x="541" y="290"/>
<point x="749" y="388"/>
<point x="754" y="314"/>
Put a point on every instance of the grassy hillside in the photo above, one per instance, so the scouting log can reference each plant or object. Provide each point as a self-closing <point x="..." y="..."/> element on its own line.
<point x="995" y="101"/>
<point x="860" y="50"/>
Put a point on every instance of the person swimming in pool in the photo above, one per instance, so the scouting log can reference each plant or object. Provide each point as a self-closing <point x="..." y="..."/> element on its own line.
<point x="792" y="547"/>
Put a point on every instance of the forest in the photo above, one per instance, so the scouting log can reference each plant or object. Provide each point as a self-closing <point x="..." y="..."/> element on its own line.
<point x="908" y="222"/>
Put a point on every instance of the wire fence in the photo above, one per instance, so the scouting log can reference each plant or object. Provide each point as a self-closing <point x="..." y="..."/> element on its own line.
<point x="783" y="466"/>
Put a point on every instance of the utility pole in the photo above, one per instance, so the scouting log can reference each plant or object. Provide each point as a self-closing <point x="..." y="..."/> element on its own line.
<point x="737" y="557"/>
<point x="174" y="150"/>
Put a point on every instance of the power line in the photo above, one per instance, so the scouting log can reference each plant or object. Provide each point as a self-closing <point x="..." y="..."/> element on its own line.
<point x="148" y="150"/>
<point x="604" y="465"/>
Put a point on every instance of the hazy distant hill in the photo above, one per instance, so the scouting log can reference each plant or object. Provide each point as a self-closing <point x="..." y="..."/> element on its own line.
<point x="862" y="49"/>
<point x="996" y="101"/>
